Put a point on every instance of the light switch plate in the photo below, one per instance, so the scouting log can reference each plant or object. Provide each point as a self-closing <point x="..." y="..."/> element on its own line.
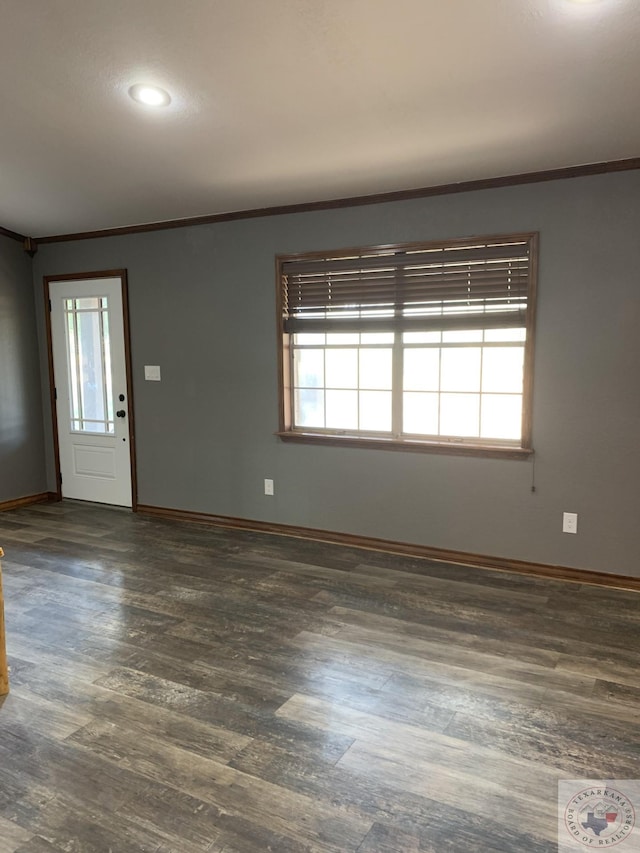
<point x="152" y="372"/>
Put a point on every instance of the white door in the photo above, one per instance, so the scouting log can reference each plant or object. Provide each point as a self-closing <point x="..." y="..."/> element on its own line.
<point x="87" y="335"/>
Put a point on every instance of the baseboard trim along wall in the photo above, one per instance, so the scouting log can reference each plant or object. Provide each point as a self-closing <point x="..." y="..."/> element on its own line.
<point x="369" y="543"/>
<point x="26" y="501"/>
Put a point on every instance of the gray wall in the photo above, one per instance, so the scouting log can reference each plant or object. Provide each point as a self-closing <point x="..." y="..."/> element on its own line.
<point x="202" y="307"/>
<point x="22" y="465"/>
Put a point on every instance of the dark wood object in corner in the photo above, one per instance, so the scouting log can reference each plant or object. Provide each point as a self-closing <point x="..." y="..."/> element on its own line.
<point x="30" y="246"/>
<point x="4" y="669"/>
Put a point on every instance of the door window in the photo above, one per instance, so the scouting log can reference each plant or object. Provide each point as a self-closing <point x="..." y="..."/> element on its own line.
<point x="89" y="361"/>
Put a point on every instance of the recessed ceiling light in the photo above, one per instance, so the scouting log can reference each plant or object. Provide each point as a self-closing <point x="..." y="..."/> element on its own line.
<point x="150" y="96"/>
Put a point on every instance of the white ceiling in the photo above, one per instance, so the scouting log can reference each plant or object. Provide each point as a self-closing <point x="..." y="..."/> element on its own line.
<point x="287" y="101"/>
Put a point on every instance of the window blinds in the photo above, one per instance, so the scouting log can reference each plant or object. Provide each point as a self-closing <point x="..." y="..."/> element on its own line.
<point x="471" y="284"/>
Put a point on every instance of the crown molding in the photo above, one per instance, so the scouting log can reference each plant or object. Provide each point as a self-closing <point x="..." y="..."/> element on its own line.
<point x="12" y="235"/>
<point x="628" y="164"/>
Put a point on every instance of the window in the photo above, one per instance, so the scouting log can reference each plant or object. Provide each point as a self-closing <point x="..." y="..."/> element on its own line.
<point x="89" y="364"/>
<point x="419" y="346"/>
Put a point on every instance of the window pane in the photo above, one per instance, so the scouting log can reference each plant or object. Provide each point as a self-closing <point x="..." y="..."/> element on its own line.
<point x="376" y="338"/>
<point x="501" y="416"/>
<point x="342" y="409"/>
<point x="383" y="310"/>
<point x="309" y="339"/>
<point x="502" y="369"/>
<point x="460" y="369"/>
<point x="74" y="378"/>
<point x="460" y="414"/>
<point x="343" y="338"/>
<point x="89" y="338"/>
<point x="375" y="368"/>
<point x="89" y="365"/>
<point x="375" y="410"/>
<point x="470" y="336"/>
<point x="107" y="363"/>
<point x="491" y="335"/>
<point x="416" y="363"/>
<point x="421" y="337"/>
<point x="309" y="408"/>
<point x="309" y="368"/>
<point x="342" y="368"/>
<point x="89" y="302"/>
<point x="421" y="369"/>
<point x="420" y="414"/>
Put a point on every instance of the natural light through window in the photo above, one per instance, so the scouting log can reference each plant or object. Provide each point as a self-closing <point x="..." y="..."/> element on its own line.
<point x="89" y="360"/>
<point x="422" y="345"/>
<point x="462" y="384"/>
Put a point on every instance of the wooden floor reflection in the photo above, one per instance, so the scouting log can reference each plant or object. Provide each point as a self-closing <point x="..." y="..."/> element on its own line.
<point x="176" y="687"/>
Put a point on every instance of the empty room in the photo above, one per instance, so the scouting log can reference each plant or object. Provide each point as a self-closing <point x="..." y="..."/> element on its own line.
<point x="319" y="426"/>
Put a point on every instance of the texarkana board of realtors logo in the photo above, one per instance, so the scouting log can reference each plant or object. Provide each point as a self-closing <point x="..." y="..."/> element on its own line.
<point x="598" y="815"/>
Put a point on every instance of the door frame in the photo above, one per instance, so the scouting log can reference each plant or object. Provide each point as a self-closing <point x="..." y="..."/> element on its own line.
<point x="82" y="276"/>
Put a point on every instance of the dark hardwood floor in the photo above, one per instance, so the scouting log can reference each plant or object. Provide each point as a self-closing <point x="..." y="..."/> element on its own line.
<point x="176" y="687"/>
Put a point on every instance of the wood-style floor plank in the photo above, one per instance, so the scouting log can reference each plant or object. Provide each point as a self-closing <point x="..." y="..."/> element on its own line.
<point x="12" y="836"/>
<point x="184" y="689"/>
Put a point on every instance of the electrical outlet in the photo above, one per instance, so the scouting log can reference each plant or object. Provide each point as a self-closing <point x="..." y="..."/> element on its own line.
<point x="268" y="487"/>
<point x="569" y="522"/>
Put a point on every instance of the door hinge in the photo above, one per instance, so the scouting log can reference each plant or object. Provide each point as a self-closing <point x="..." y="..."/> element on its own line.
<point x="49" y="305"/>
<point x="55" y="393"/>
<point x="60" y="475"/>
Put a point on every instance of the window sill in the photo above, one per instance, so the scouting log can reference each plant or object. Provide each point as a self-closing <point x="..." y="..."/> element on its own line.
<point x="450" y="448"/>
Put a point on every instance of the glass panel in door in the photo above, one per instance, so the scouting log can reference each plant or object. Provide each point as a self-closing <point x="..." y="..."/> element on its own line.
<point x="89" y="362"/>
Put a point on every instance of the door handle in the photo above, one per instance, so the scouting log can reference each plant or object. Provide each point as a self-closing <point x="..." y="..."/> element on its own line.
<point x="121" y="413"/>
